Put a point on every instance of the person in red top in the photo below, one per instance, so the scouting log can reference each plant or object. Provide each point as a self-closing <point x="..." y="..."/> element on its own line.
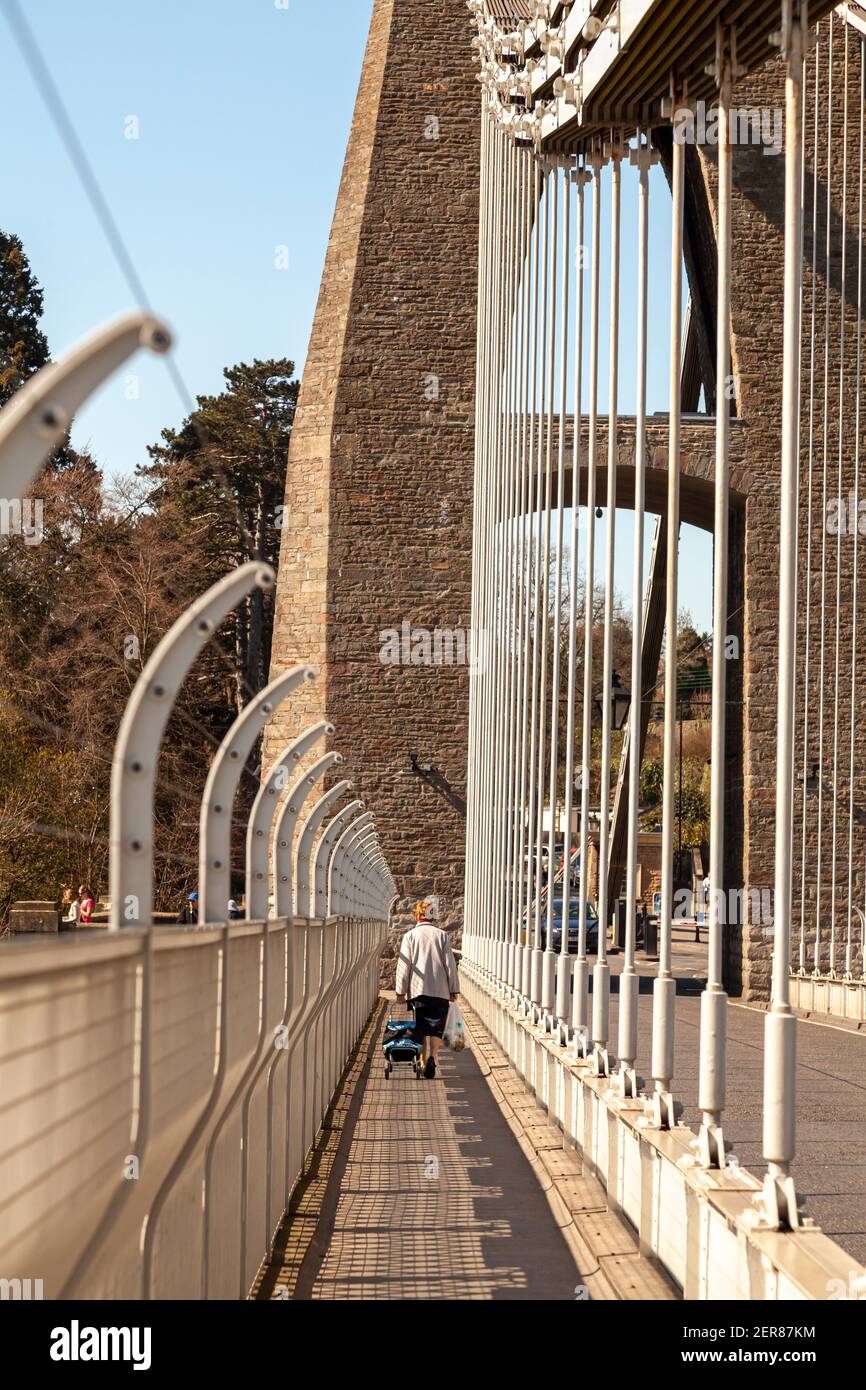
<point x="85" y="897"/>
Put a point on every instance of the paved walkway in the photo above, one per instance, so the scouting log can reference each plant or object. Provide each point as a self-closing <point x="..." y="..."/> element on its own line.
<point x="457" y="1188"/>
<point x="419" y="1190"/>
<point x="830" y="1168"/>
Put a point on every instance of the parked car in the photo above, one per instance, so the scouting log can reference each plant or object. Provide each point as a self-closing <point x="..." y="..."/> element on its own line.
<point x="573" y="927"/>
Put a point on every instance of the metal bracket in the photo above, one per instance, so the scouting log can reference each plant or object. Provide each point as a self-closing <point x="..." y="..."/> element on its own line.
<point x="136" y="753"/>
<point x="600" y="1061"/>
<point x="663" y="1110"/>
<point x="778" y="1204"/>
<point x="794" y="26"/>
<point x="626" y="1082"/>
<point x="644" y="157"/>
<point x="710" y="1146"/>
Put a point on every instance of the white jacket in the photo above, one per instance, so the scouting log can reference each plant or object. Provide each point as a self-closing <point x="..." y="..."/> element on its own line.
<point x="426" y="963"/>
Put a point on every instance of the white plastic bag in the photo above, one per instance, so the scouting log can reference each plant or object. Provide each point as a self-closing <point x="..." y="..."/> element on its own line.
<point x="454" y="1029"/>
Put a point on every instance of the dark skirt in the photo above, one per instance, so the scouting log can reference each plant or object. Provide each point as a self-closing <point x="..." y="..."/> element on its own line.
<point x="431" y="1015"/>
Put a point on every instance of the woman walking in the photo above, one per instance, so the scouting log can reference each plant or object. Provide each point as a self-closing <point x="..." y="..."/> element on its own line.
<point x="427" y="977"/>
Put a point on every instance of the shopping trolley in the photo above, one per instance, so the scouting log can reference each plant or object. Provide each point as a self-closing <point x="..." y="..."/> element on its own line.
<point x="400" y="1044"/>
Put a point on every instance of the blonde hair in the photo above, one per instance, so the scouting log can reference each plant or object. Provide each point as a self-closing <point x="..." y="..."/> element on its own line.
<point x="421" y="911"/>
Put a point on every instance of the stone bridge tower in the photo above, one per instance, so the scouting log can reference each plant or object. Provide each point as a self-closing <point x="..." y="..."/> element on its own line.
<point x="378" y="523"/>
<point x="379" y="490"/>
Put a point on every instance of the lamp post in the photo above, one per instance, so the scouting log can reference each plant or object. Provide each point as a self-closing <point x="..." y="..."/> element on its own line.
<point x="620" y="703"/>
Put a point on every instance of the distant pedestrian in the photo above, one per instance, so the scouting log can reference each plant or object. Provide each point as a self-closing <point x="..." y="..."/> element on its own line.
<point x="87" y="905"/>
<point x="234" y="911"/>
<point x="427" y="976"/>
<point x="71" y="908"/>
<point x="188" y="915"/>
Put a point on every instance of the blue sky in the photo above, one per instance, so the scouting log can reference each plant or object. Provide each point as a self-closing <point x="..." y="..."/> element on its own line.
<point x="242" y="110"/>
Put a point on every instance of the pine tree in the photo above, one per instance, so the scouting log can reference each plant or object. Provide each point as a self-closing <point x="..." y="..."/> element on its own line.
<point x="23" y="345"/>
<point x="222" y="479"/>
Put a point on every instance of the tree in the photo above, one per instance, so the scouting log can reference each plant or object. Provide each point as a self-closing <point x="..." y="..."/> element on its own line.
<point x="694" y="680"/>
<point x="221" y="479"/>
<point x="23" y="345"/>
<point x="82" y="610"/>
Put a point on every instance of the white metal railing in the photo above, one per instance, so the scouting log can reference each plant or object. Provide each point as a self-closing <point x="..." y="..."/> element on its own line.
<point x="157" y="1109"/>
<point x="528" y="329"/>
<point x="827" y="964"/>
<point x="161" y="1088"/>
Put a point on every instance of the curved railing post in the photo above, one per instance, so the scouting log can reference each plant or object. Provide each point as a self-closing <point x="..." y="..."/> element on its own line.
<point x="262" y="815"/>
<point x="362" y="865"/>
<point x="215" y="823"/>
<point x="284" y="833"/>
<point x="335" y="868"/>
<point x="342" y="961"/>
<point x="357" y="883"/>
<point x="366" y="845"/>
<point x="374" y="879"/>
<point x="133" y="772"/>
<point x="376" y="882"/>
<point x="349" y="872"/>
<point x="325" y="854"/>
<point x="383" y="889"/>
<point x="37" y="418"/>
<point x="150" y="1228"/>
<point x="304" y="876"/>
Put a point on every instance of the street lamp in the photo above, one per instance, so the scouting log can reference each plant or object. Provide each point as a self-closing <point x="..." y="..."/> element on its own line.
<point x="620" y="703"/>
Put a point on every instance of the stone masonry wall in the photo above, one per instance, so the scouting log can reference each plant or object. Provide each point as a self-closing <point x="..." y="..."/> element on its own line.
<point x="380" y="469"/>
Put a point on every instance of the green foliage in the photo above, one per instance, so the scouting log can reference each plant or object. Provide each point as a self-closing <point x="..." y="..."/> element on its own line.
<point x="221" y="483"/>
<point x="23" y="345"/>
<point x="652" y="782"/>
<point x="694" y="678"/>
<point x="36" y="781"/>
<point x="82" y="611"/>
<point x="693" y="802"/>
